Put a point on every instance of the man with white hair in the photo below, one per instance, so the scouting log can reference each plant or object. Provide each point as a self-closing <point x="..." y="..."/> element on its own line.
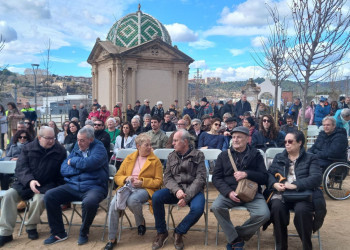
<point x="144" y="109"/>
<point x="37" y="171"/>
<point x="85" y="173"/>
<point x="158" y="110"/>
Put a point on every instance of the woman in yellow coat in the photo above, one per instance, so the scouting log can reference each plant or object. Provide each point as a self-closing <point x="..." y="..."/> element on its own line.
<point x="145" y="173"/>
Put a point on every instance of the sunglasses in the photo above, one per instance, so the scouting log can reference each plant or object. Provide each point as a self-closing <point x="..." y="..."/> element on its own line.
<point x="217" y="124"/>
<point x="98" y="124"/>
<point x="288" y="141"/>
<point x="26" y="122"/>
<point x="22" y="137"/>
<point x="195" y="124"/>
<point x="266" y="120"/>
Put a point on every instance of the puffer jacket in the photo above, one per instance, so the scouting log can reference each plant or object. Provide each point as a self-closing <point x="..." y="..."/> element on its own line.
<point x="252" y="163"/>
<point x="86" y="173"/>
<point x="186" y="172"/>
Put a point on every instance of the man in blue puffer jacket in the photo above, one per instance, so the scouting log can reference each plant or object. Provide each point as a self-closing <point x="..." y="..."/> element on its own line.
<point x="85" y="172"/>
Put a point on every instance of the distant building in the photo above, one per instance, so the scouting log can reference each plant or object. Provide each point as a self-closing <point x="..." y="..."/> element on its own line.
<point x="55" y="105"/>
<point x="212" y="80"/>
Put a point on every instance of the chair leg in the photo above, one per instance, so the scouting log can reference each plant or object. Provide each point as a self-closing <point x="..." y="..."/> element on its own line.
<point x="71" y="219"/>
<point x="258" y="234"/>
<point x="23" y="219"/>
<point x="217" y="233"/>
<point x="319" y="239"/>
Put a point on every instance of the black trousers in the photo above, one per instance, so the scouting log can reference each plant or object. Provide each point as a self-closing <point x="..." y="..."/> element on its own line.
<point x="303" y="219"/>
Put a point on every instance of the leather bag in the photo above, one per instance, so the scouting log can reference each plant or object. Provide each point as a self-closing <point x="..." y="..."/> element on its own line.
<point x="295" y="196"/>
<point x="246" y="189"/>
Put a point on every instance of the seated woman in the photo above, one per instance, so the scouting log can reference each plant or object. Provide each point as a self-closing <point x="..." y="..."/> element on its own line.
<point x="146" y="123"/>
<point x="53" y="125"/>
<point x="301" y="172"/>
<point x="71" y="137"/>
<point x="268" y="136"/>
<point x="126" y="139"/>
<point x="21" y="138"/>
<point x="144" y="171"/>
<point x="112" y="129"/>
<point x="250" y="124"/>
<point x="212" y="139"/>
<point x="62" y="135"/>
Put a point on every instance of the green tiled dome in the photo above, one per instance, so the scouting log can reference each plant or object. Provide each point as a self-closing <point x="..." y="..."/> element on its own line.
<point x="135" y="29"/>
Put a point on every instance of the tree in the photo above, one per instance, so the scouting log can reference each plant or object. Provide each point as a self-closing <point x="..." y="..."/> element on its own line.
<point x="320" y="43"/>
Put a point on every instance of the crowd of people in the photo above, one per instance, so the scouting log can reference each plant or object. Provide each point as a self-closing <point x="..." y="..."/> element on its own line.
<point x="58" y="166"/>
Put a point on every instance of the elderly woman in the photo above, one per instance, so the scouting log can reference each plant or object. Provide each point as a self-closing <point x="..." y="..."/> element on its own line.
<point x="112" y="129"/>
<point x="146" y="123"/>
<point x="342" y="117"/>
<point x="294" y="169"/>
<point x="143" y="170"/>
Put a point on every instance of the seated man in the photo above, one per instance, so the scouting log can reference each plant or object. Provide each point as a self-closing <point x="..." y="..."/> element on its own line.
<point x="167" y="125"/>
<point x="86" y="175"/>
<point x="158" y="137"/>
<point x="102" y="135"/>
<point x="332" y="142"/>
<point x="37" y="170"/>
<point x="250" y="165"/>
<point x="184" y="180"/>
<point x="289" y="127"/>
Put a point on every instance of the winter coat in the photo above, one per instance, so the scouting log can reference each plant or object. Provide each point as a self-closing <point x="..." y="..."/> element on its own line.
<point x="12" y="121"/>
<point x="252" y="163"/>
<point x="186" y="172"/>
<point x="227" y="108"/>
<point x="29" y="113"/>
<point x="294" y="111"/>
<point x="157" y="112"/>
<point x="129" y="114"/>
<point x="83" y="115"/>
<point x="260" y="141"/>
<point x="205" y="110"/>
<point x="321" y="112"/>
<point x="330" y="146"/>
<point x="42" y="165"/>
<point x="96" y="114"/>
<point x="340" y="122"/>
<point x="117" y="111"/>
<point x="241" y="108"/>
<point x="14" y="151"/>
<point x="211" y="141"/>
<point x="87" y="173"/>
<point x="104" y="137"/>
<point x="103" y="116"/>
<point x="3" y="123"/>
<point x="190" y="112"/>
<point x="144" y="110"/>
<point x="129" y="143"/>
<point x="168" y="126"/>
<point x="73" y="113"/>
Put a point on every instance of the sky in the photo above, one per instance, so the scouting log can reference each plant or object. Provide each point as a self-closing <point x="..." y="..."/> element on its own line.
<point x="220" y="35"/>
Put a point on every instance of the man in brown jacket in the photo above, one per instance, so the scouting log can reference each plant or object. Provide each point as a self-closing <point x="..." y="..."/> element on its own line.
<point x="184" y="180"/>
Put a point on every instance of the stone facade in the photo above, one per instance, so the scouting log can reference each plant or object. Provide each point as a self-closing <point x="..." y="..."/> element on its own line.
<point x="251" y="91"/>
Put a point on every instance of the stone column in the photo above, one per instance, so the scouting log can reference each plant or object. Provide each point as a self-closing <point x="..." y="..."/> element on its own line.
<point x="110" y="82"/>
<point x="114" y="84"/>
<point x="93" y="85"/>
<point x="133" y="86"/>
<point x="174" y="84"/>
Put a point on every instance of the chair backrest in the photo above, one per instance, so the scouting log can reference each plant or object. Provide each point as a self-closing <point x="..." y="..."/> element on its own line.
<point x="312" y="127"/>
<point x="123" y="153"/>
<point x="270" y="154"/>
<point x="163" y="153"/>
<point x="7" y="167"/>
<point x="312" y="132"/>
<point x="111" y="147"/>
<point x="211" y="154"/>
<point x="0" y="152"/>
<point x="261" y="152"/>
<point x="112" y="170"/>
<point x="169" y="133"/>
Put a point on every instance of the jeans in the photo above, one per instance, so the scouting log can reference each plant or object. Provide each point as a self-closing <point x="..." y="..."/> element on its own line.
<point x="165" y="196"/>
<point x="64" y="194"/>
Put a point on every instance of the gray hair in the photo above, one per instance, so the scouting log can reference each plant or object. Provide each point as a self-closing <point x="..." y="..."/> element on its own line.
<point x="75" y="119"/>
<point x="117" y="119"/>
<point x="331" y="119"/>
<point x="88" y="131"/>
<point x="185" y="135"/>
<point x="197" y="120"/>
<point x="89" y="122"/>
<point x="136" y="119"/>
<point x="345" y="113"/>
<point x="228" y="115"/>
<point x="43" y="128"/>
<point x="111" y="119"/>
<point x="147" y="116"/>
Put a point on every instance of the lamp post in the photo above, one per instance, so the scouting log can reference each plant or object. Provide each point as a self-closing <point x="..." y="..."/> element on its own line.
<point x="35" y="71"/>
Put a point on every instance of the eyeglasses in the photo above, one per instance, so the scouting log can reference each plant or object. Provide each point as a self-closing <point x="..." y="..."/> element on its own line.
<point x="180" y="124"/>
<point x="98" y="124"/>
<point x="288" y="141"/>
<point x="26" y="122"/>
<point x="266" y="120"/>
<point x="217" y="124"/>
<point x="49" y="138"/>
<point x="195" y="124"/>
<point x="22" y="137"/>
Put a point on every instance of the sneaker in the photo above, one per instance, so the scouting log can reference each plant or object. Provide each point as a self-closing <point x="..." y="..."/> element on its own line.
<point x="160" y="240"/>
<point x="110" y="245"/>
<point x="56" y="238"/>
<point x="5" y="239"/>
<point x="236" y="246"/>
<point x="178" y="241"/>
<point x="141" y="230"/>
<point x="83" y="239"/>
<point x="32" y="234"/>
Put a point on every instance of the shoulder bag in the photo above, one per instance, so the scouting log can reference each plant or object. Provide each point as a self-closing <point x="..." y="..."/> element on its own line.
<point x="246" y="189"/>
<point x="295" y="196"/>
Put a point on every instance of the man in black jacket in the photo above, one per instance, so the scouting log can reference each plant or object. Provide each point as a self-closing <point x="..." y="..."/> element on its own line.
<point x="102" y="135"/>
<point x="250" y="165"/>
<point x="167" y="125"/>
<point x="73" y="112"/>
<point x="242" y="106"/>
<point x="37" y="171"/>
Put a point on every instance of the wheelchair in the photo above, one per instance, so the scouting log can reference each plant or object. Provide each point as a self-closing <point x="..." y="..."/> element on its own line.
<point x="336" y="180"/>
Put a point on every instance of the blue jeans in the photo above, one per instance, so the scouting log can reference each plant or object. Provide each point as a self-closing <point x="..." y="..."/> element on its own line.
<point x="165" y="196"/>
<point x="64" y="194"/>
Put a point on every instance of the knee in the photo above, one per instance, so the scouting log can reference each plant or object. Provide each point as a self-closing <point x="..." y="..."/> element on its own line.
<point x="90" y="204"/>
<point x="48" y="197"/>
<point x="133" y="203"/>
<point x="301" y="210"/>
<point x="157" y="197"/>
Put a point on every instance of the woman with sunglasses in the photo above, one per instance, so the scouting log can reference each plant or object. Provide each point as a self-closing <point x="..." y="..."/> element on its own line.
<point x="269" y="136"/>
<point x="294" y="169"/>
<point x="62" y="135"/>
<point x="71" y="137"/>
<point x="212" y="139"/>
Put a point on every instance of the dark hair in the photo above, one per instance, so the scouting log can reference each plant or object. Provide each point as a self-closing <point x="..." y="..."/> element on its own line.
<point x="299" y="137"/>
<point x="247" y="113"/>
<point x="289" y="117"/>
<point x="30" y="128"/>
<point x="166" y="113"/>
<point x="55" y="129"/>
<point x="18" y="134"/>
<point x="272" y="133"/>
<point x="75" y="124"/>
<point x="250" y="120"/>
<point x="335" y="104"/>
<point x="156" y="118"/>
<point x="99" y="120"/>
<point x="131" y="129"/>
<point x="215" y="120"/>
<point x="63" y="125"/>
<point x="2" y="109"/>
<point x="341" y="98"/>
<point x="13" y="105"/>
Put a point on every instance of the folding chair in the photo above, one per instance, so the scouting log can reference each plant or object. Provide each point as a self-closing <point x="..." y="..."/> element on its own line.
<point x="270" y="154"/>
<point x="163" y="153"/>
<point x="6" y="167"/>
<point x="169" y="133"/>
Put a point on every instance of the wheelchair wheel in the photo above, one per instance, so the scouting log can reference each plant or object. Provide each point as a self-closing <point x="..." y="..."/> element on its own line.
<point x="336" y="181"/>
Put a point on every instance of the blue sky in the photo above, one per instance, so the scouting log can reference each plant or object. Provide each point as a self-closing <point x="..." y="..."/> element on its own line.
<point x="219" y="35"/>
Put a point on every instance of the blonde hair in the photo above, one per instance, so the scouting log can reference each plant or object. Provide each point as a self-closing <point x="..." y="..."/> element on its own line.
<point x="141" y="138"/>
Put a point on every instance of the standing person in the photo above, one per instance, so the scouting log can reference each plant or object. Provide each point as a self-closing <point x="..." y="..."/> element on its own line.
<point x="112" y="129"/>
<point x="104" y="113"/>
<point x="205" y="108"/>
<point x="71" y="138"/>
<point x="94" y="113"/>
<point x="167" y="125"/>
<point x="228" y="108"/>
<point x="294" y="110"/>
<point x="188" y="110"/>
<point x="129" y="113"/>
<point x="250" y="165"/>
<point x="73" y="112"/>
<point x="257" y="107"/>
<point x="83" y="114"/>
<point x="334" y="108"/>
<point x="342" y="118"/>
<point x="321" y="111"/>
<point x="96" y="104"/>
<point x="262" y="110"/>
<point x="309" y="114"/>
<point x="184" y="181"/>
<point x="37" y="171"/>
<point x="158" y="110"/>
<point x="196" y="108"/>
<point x="341" y="103"/>
<point x="29" y="112"/>
<point x="13" y="117"/>
<point x="102" y="135"/>
<point x="214" y="106"/>
<point x="144" y="109"/>
<point x="3" y="126"/>
<point x="117" y="110"/>
<point x="85" y="173"/>
<point x="158" y="138"/>
<point x="137" y="107"/>
<point x="241" y="107"/>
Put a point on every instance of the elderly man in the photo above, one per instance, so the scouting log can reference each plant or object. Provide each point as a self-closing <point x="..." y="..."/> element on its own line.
<point x="181" y="124"/>
<point x="158" y="138"/>
<point x="83" y="114"/>
<point x="144" y="109"/>
<point x="184" y="180"/>
<point x="158" y="110"/>
<point x="250" y="165"/>
<point x="342" y="118"/>
<point x="85" y="174"/>
<point x="29" y="112"/>
<point x="101" y="134"/>
<point x="332" y="142"/>
<point x="37" y="171"/>
<point x="241" y="107"/>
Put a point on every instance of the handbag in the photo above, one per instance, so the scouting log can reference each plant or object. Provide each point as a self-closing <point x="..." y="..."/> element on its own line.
<point x="123" y="194"/>
<point x="295" y="196"/>
<point x="246" y="189"/>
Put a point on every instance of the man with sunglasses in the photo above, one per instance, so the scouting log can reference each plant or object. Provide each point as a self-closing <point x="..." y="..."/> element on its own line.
<point x="101" y="134"/>
<point x="37" y="170"/>
<point x="144" y="109"/>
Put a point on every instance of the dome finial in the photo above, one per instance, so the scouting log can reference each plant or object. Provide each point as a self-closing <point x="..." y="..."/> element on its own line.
<point x="139" y="7"/>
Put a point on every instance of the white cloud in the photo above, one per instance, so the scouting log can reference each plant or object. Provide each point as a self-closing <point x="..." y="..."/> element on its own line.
<point x="202" y="44"/>
<point x="16" y="70"/>
<point x="257" y="41"/>
<point x="38" y="9"/>
<point x="181" y="33"/>
<point x="198" y="64"/>
<point x="234" y="74"/>
<point x="7" y="33"/>
<point x="236" y="52"/>
<point x="84" y="64"/>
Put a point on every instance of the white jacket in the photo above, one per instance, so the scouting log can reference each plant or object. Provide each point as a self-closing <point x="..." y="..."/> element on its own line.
<point x="130" y="143"/>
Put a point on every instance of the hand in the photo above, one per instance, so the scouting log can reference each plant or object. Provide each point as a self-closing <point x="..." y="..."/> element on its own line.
<point x="137" y="183"/>
<point x="226" y="133"/>
<point x="290" y="186"/>
<point x="130" y="178"/>
<point x="14" y="159"/>
<point x="233" y="196"/>
<point x="279" y="187"/>
<point x="206" y="147"/>
<point x="180" y="194"/>
<point x="32" y="185"/>
<point x="181" y="203"/>
<point x="239" y="175"/>
<point x="68" y="162"/>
